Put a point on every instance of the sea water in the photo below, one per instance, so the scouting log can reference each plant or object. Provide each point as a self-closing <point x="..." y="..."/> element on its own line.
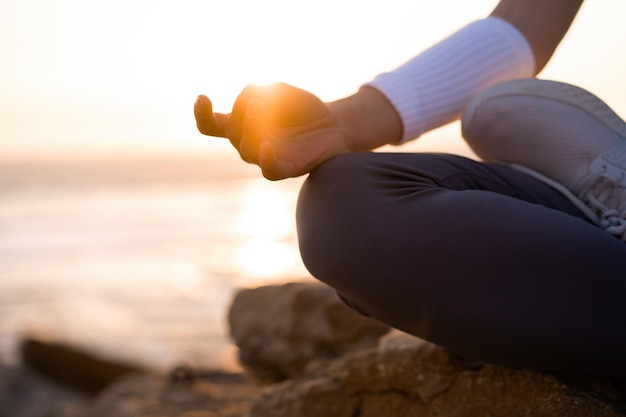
<point x="138" y="267"/>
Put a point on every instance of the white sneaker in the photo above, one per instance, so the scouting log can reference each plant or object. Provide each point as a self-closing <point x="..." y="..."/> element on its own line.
<point x="560" y="134"/>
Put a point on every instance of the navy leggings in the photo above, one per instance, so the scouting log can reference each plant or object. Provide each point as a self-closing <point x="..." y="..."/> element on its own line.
<point x="479" y="258"/>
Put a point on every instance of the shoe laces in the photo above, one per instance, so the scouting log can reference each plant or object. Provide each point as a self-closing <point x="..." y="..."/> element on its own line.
<point x="603" y="190"/>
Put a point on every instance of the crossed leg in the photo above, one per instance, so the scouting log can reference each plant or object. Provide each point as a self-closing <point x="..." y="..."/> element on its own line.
<point x="476" y="257"/>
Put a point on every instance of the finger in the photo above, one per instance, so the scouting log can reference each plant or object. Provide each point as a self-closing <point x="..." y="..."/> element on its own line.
<point x="209" y="123"/>
<point x="273" y="168"/>
<point x="252" y="132"/>
<point x="234" y="129"/>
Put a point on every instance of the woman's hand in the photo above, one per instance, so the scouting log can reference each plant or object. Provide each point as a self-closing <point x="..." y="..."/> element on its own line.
<point x="286" y="131"/>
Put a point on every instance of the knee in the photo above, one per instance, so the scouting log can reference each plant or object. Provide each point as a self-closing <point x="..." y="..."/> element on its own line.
<point x="329" y="213"/>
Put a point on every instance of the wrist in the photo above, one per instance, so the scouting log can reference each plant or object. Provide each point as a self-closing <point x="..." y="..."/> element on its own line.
<point x="370" y="117"/>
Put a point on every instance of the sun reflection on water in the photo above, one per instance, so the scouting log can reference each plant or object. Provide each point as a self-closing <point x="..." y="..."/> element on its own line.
<point x="185" y="277"/>
<point x="265" y="213"/>
<point x="266" y="223"/>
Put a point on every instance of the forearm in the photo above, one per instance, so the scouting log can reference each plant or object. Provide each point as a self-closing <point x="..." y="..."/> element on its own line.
<point x="543" y="23"/>
<point x="432" y="89"/>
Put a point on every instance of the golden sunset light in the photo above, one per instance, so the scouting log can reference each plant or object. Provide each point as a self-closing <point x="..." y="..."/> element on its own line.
<point x="126" y="232"/>
<point x="266" y="226"/>
<point x="118" y="77"/>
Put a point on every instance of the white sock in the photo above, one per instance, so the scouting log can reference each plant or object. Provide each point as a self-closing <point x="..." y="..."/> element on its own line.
<point x="433" y="88"/>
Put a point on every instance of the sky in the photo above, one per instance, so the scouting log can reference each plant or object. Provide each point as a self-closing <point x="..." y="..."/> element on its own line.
<point x="117" y="77"/>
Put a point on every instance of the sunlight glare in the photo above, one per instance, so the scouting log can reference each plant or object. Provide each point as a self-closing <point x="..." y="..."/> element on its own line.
<point x="265" y="258"/>
<point x="265" y="213"/>
<point x="266" y="222"/>
<point x="184" y="277"/>
<point x="112" y="76"/>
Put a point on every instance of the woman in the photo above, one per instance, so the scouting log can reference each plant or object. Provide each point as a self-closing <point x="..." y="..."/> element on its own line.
<point x="517" y="260"/>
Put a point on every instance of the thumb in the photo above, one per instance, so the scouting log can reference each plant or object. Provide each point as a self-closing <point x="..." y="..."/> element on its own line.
<point x="209" y="123"/>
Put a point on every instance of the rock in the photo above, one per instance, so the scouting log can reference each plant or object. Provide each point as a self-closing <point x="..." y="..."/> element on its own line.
<point x="282" y="330"/>
<point x="24" y="394"/>
<point x="405" y="376"/>
<point x="184" y="393"/>
<point x="400" y="376"/>
<point x="308" y="397"/>
<point x="71" y="367"/>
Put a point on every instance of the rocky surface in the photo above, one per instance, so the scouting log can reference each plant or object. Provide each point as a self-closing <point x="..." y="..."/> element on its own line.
<point x="283" y="331"/>
<point x="72" y="368"/>
<point x="183" y="393"/>
<point x="405" y="376"/>
<point x="23" y="393"/>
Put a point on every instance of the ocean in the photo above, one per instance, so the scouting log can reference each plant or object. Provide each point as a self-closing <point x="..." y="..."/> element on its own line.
<point x="137" y="259"/>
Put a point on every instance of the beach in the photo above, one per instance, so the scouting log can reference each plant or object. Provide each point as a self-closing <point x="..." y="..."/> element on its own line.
<point x="137" y="259"/>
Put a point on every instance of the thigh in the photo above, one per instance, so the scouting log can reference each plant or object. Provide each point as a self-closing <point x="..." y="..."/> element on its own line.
<point x="479" y="258"/>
